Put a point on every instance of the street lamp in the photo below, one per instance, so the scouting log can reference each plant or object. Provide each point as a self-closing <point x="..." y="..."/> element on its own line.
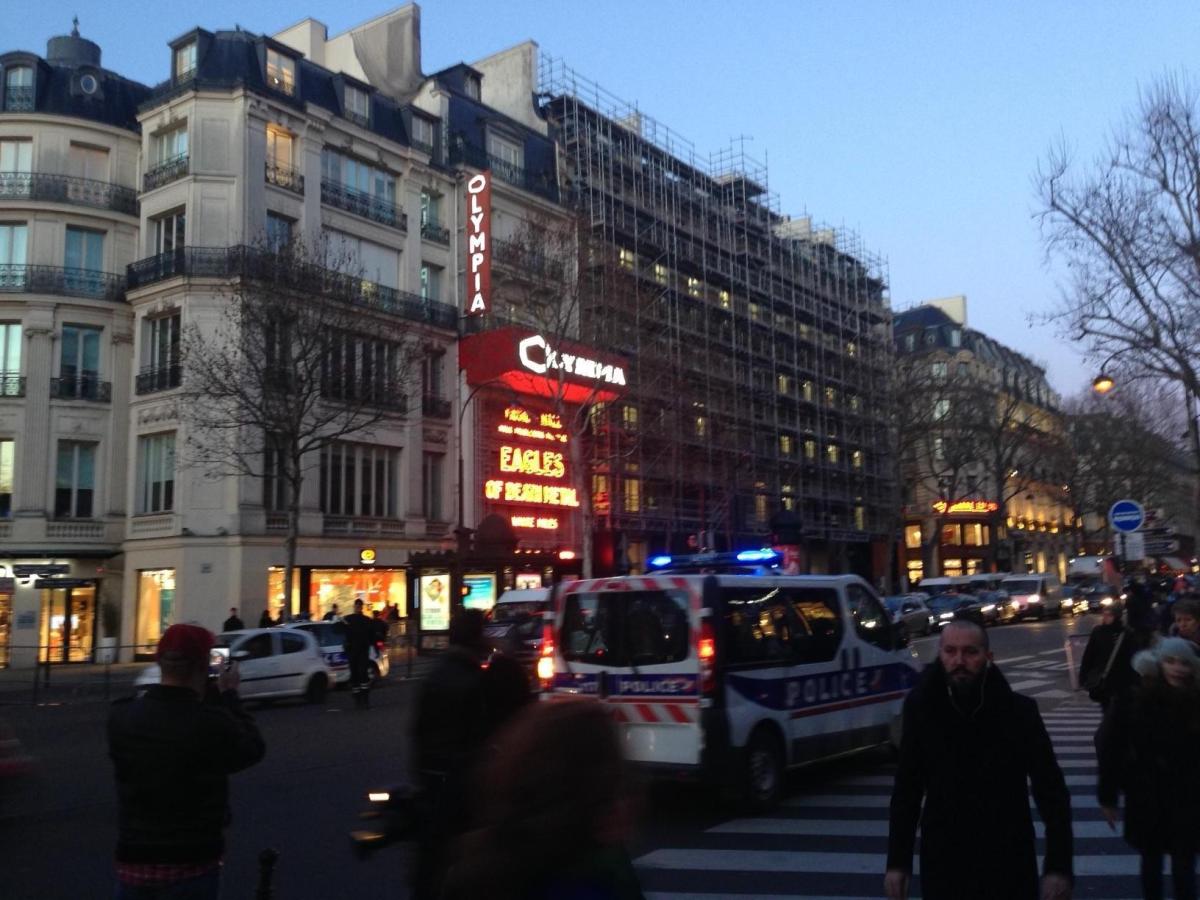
<point x="1103" y="383"/>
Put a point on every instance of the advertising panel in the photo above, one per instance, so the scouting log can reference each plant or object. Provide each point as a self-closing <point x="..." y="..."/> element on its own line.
<point x="479" y="591"/>
<point x="435" y="602"/>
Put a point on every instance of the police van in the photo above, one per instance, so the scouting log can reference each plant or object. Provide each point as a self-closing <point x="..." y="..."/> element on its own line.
<point x="731" y="677"/>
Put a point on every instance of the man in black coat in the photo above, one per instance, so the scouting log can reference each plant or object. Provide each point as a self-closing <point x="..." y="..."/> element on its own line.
<point x="234" y="622"/>
<point x="173" y="750"/>
<point x="969" y="746"/>
<point x="360" y="635"/>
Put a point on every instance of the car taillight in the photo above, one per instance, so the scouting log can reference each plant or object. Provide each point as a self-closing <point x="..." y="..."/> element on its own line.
<point x="545" y="663"/>
<point x="706" y="650"/>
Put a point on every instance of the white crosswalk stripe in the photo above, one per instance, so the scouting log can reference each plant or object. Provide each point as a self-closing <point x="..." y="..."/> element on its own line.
<point x="828" y="840"/>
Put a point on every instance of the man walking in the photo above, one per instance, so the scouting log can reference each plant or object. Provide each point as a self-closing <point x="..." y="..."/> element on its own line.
<point x="360" y="634"/>
<point x="173" y="750"/>
<point x="970" y="745"/>
<point x="234" y="622"/>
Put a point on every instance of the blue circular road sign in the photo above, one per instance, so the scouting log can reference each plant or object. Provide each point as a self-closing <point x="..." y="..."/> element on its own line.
<point x="1126" y="516"/>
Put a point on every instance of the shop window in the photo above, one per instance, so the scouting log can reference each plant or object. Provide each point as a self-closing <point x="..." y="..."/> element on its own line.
<point x="952" y="567"/>
<point x="973" y="534"/>
<point x="951" y="535"/>
<point x="912" y="536"/>
<point x="155" y="608"/>
<point x="378" y="589"/>
<point x="68" y="622"/>
<point x="916" y="571"/>
<point x="75" y="480"/>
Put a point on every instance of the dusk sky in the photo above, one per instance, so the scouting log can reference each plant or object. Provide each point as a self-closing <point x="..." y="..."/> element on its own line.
<point x="916" y="125"/>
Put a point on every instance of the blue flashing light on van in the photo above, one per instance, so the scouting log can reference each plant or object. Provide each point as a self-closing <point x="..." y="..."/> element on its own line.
<point x="761" y="561"/>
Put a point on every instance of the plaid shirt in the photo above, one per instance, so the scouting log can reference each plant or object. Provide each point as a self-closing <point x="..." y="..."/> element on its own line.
<point x="158" y="874"/>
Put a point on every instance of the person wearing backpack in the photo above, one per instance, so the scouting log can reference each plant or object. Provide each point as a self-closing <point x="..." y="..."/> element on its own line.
<point x="1106" y="669"/>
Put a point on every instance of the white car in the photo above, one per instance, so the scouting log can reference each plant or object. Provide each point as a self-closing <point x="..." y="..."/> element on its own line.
<point x="331" y="636"/>
<point x="272" y="662"/>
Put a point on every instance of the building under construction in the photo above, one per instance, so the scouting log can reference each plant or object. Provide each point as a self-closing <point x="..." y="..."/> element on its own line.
<point x="759" y="347"/>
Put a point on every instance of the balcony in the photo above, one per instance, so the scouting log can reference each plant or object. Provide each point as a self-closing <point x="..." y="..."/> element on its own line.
<point x="435" y="407"/>
<point x="11" y="385"/>
<point x="81" y="387"/>
<point x="68" y="189"/>
<point x="61" y="282"/>
<point x="518" y="256"/>
<point x="162" y="378"/>
<point x="355" y="525"/>
<point x="432" y="231"/>
<point x="360" y="203"/>
<point x="251" y="263"/>
<point x="165" y="172"/>
<point x="18" y="98"/>
<point x="422" y="146"/>
<point x="541" y="183"/>
<point x="285" y="177"/>
<point x="370" y="394"/>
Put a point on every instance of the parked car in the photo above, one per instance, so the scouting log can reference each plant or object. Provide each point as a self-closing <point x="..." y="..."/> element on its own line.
<point x="910" y="612"/>
<point x="331" y="636"/>
<point x="997" y="607"/>
<point x="273" y="662"/>
<point x="1037" y="595"/>
<point x="515" y="626"/>
<point x="948" y="606"/>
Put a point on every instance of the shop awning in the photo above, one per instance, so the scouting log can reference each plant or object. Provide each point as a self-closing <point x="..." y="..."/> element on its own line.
<point x="543" y="366"/>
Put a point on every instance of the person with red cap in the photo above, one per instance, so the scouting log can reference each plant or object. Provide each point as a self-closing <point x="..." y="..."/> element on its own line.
<point x="173" y="749"/>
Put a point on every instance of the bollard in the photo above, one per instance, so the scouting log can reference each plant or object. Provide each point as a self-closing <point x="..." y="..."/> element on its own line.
<point x="266" y="867"/>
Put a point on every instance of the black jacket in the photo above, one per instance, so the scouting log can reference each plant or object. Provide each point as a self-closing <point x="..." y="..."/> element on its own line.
<point x="1100" y="647"/>
<point x="969" y="770"/>
<point x="1149" y="750"/>
<point x="233" y="623"/>
<point x="173" y="754"/>
<point x="451" y="720"/>
<point x="360" y="635"/>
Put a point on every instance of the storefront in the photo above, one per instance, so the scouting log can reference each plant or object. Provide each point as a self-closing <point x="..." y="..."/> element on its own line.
<point x="965" y="539"/>
<point x="320" y="589"/>
<point x="50" y="610"/>
<point x="155" y="608"/>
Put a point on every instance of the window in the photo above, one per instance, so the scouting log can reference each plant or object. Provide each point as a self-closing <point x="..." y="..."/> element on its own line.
<point x="760" y="508"/>
<point x="6" y="478"/>
<point x="506" y="156"/>
<point x="156" y="473"/>
<point x="854" y="402"/>
<point x="10" y="358"/>
<point x="279" y="232"/>
<point x="168" y="231"/>
<point x="810" y="449"/>
<point x="358" y="480"/>
<point x="374" y="263"/>
<point x="423" y="133"/>
<point x="938" y="370"/>
<point x="430" y="208"/>
<point x="806" y="391"/>
<point x="431" y="282"/>
<point x="276" y="489"/>
<point x="629" y="417"/>
<point x="830" y="396"/>
<point x="632" y="496"/>
<point x="433" y="367"/>
<point x="974" y="534"/>
<point x="910" y="342"/>
<point x="281" y="146"/>
<point x="870" y="620"/>
<point x="856" y="459"/>
<point x="155" y="605"/>
<point x="79" y="361"/>
<point x="787" y="444"/>
<point x="363" y="369"/>
<point x="758" y="626"/>
<point x="16" y="158"/>
<point x="723" y="298"/>
<point x="851" y="349"/>
<point x="185" y="61"/>
<point x="281" y="71"/>
<point x="160" y="348"/>
<point x="951" y="536"/>
<point x="783" y="384"/>
<point x="84" y="161"/>
<point x="358" y="176"/>
<point x="431" y="486"/>
<point x="694" y="287"/>
<point x="627" y="259"/>
<point x="84" y="258"/>
<point x="832" y="453"/>
<point x="630" y="628"/>
<point x="755" y="311"/>
<point x="75" y="482"/>
<point x="817" y="628"/>
<point x="171" y="145"/>
<point x="912" y="536"/>
<point x="660" y="273"/>
<point x="292" y="643"/>
<point x="701" y="426"/>
<point x="358" y="104"/>
<point x="18" y="88"/>
<point x="955" y="337"/>
<point x="257" y="647"/>
<point x="860" y="518"/>
<point x="941" y="409"/>
<point x="13" y="247"/>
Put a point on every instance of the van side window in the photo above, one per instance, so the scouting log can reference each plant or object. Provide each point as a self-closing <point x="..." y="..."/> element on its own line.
<point x="818" y="631"/>
<point x="758" y="625"/>
<point x="870" y="621"/>
<point x="626" y="628"/>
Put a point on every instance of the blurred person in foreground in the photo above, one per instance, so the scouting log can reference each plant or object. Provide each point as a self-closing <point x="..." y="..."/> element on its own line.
<point x="970" y="751"/>
<point x="1148" y="747"/>
<point x="554" y="830"/>
<point x="173" y="749"/>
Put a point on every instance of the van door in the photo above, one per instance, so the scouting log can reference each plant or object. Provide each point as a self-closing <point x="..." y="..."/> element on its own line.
<point x="632" y="648"/>
<point x="878" y="687"/>
<point x="821" y="662"/>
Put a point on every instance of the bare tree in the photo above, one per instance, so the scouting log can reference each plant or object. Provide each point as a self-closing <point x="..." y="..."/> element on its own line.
<point x="299" y="356"/>
<point x="1128" y="229"/>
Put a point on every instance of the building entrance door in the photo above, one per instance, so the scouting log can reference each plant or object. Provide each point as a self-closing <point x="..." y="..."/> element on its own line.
<point x="68" y="624"/>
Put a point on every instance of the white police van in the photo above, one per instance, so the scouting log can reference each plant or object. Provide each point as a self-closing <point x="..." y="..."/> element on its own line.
<point x="732" y="677"/>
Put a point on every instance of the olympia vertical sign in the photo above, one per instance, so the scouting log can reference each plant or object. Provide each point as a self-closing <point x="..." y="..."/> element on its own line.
<point x="479" y="244"/>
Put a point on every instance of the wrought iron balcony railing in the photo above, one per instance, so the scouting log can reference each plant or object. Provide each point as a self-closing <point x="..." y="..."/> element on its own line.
<point x="523" y="258"/>
<point x="81" y="387"/>
<point x="18" y="98"/>
<point x="423" y="146"/>
<point x="162" y="378"/>
<point x="370" y="394"/>
<point x="165" y="172"/>
<point x="68" y="189"/>
<point x="432" y="231"/>
<point x="12" y="384"/>
<point x="435" y="407"/>
<point x="253" y="263"/>
<point x="541" y="183"/>
<point x="363" y="204"/>
<point x="61" y="282"/>
<point x="285" y="177"/>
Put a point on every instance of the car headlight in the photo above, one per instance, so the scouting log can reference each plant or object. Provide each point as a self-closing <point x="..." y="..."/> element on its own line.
<point x="948" y="615"/>
<point x="1034" y="598"/>
<point x="1106" y="601"/>
<point x="989" y="608"/>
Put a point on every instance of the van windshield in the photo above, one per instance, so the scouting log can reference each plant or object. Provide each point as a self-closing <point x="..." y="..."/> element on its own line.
<point x="1024" y="586"/>
<point x="516" y="612"/>
<point x="626" y="628"/>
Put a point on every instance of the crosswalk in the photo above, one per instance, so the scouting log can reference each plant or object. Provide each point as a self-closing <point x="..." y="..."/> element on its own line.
<point x="828" y="841"/>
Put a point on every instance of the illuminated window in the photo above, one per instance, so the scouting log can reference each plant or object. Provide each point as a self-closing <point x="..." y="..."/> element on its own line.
<point x="787" y="444"/>
<point x="912" y="536"/>
<point x="600" y="489"/>
<point x="783" y="384"/>
<point x="281" y="71"/>
<point x="860" y="519"/>
<point x="660" y="273"/>
<point x="941" y="409"/>
<point x="830" y="396"/>
<point x="856" y="459"/>
<point x="973" y="534"/>
<point x="851" y="350"/>
<point x="951" y="535"/>
<point x="629" y="417"/>
<point x="916" y="571"/>
<point x="755" y="312"/>
<point x="695" y="288"/>
<point x="185" y="61"/>
<point x="632" y="497"/>
<point x="810" y="449"/>
<point x="627" y="259"/>
<point x="831" y="453"/>
<point x="952" y="567"/>
<point x="806" y="391"/>
<point x="723" y="297"/>
<point x="760" y="507"/>
<point x="854" y="402"/>
<point x="701" y="426"/>
<point x="789" y="503"/>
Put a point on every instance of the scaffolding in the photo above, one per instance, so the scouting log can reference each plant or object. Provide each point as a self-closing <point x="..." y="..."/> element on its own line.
<point x="759" y="343"/>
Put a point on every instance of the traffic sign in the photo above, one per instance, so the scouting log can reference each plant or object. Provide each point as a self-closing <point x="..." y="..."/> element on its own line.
<point x="1161" y="548"/>
<point x="1129" y="546"/>
<point x="1126" y="515"/>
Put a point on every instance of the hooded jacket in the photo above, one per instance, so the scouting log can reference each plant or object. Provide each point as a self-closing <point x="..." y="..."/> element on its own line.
<point x="963" y="775"/>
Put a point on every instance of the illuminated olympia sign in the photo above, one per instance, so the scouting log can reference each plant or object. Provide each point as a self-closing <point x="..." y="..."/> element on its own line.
<point x="479" y="244"/>
<point x="941" y="507"/>
<point x="539" y="357"/>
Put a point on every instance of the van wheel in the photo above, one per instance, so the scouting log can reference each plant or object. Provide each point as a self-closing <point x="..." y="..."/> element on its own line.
<point x="317" y="686"/>
<point x="763" y="773"/>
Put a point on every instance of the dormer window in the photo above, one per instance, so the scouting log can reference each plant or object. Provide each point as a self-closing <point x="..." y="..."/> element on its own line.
<point x="18" y="89"/>
<point x="185" y="61"/>
<point x="358" y="105"/>
<point x="472" y="87"/>
<point x="281" y="72"/>
<point x="422" y="134"/>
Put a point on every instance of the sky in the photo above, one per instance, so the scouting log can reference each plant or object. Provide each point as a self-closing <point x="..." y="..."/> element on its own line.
<point x="917" y="125"/>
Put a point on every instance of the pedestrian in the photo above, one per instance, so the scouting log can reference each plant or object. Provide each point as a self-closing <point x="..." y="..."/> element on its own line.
<point x="1148" y="746"/>
<point x="1186" y="613"/>
<point x="506" y="691"/>
<point x="393" y="613"/>
<point x="449" y="728"/>
<point x="173" y="750"/>
<point x="1106" y="668"/>
<point x="1139" y="610"/>
<point x="234" y="622"/>
<point x="332" y="614"/>
<point x="970" y="750"/>
<point x="265" y="620"/>
<point x="360" y="635"/>
<point x="543" y="832"/>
